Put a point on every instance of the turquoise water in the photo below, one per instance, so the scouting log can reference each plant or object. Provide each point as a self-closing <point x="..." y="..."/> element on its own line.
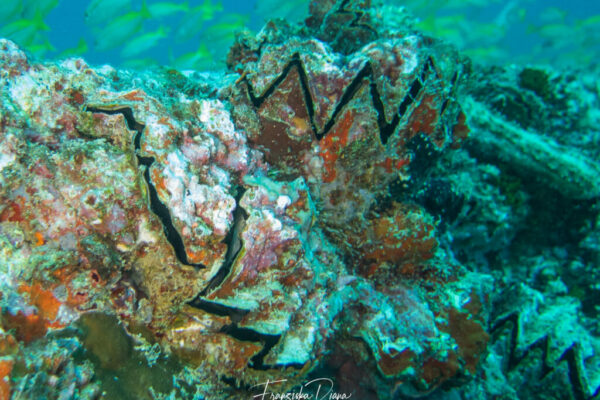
<point x="556" y="32"/>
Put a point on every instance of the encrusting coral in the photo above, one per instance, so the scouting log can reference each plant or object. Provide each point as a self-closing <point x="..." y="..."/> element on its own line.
<point x="233" y="228"/>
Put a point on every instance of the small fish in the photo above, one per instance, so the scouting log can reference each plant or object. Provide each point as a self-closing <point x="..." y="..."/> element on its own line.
<point x="144" y="42"/>
<point x="80" y="49"/>
<point x="24" y="31"/>
<point x="594" y="20"/>
<point x="39" y="49"/>
<point x="445" y="27"/>
<point x="552" y="31"/>
<point x="193" y="22"/>
<point x="31" y="8"/>
<point x="220" y="35"/>
<point x="121" y="29"/>
<point x="226" y="27"/>
<point x="166" y="9"/>
<point x="486" y="54"/>
<point x="198" y="59"/>
<point x="100" y="12"/>
<point x="436" y="23"/>
<point x="10" y="10"/>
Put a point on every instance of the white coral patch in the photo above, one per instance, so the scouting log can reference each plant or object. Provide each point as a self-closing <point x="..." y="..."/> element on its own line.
<point x="175" y="182"/>
<point x="271" y="221"/>
<point x="22" y="92"/>
<point x="409" y="54"/>
<point x="160" y="133"/>
<point x="189" y="199"/>
<point x="8" y="150"/>
<point x="216" y="118"/>
<point x="282" y="203"/>
<point x="212" y="204"/>
<point x="6" y="160"/>
<point x="298" y="346"/>
<point x="145" y="235"/>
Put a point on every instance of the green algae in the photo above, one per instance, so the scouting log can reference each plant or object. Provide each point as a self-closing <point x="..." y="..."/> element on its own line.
<point x="122" y="368"/>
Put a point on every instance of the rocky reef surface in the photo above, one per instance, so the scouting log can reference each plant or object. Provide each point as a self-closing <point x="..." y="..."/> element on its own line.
<point x="351" y="200"/>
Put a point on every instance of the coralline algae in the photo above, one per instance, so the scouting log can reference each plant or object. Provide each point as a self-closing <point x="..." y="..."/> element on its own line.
<point x="252" y="226"/>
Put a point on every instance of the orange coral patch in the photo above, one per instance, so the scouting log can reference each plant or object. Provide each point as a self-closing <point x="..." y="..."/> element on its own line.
<point x="135" y="95"/>
<point x="39" y="239"/>
<point x="5" y="370"/>
<point x="333" y="144"/>
<point x="391" y="164"/>
<point x="165" y="121"/>
<point x="400" y="238"/>
<point x="195" y="256"/>
<point x="242" y="354"/>
<point x="30" y="327"/>
<point x="425" y="117"/>
<point x="43" y="300"/>
<point x="159" y="184"/>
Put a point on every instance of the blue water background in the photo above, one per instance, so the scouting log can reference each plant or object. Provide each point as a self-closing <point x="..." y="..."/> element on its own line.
<point x="68" y="25"/>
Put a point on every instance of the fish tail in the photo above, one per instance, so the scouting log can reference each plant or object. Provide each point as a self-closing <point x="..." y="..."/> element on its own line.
<point x="145" y="11"/>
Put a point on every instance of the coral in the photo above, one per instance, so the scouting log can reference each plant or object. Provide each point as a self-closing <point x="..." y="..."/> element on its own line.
<point x="52" y="370"/>
<point x="537" y="123"/>
<point x="573" y="175"/>
<point x="535" y="80"/>
<point x="540" y="231"/>
<point x="235" y="228"/>
<point x="310" y="210"/>
<point x="564" y="353"/>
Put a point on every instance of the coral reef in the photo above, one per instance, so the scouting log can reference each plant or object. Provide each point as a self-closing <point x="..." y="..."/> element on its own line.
<point x="529" y="218"/>
<point x="318" y="210"/>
